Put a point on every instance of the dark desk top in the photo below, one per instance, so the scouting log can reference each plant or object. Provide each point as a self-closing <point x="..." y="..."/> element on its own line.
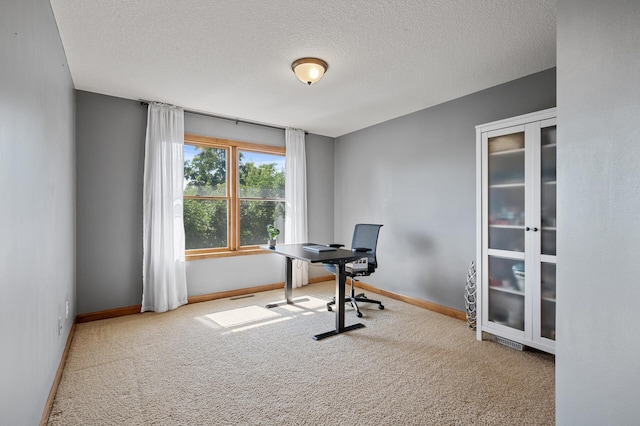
<point x="297" y="251"/>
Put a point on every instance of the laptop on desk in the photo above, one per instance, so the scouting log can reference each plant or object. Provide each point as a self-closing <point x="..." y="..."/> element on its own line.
<point x="318" y="248"/>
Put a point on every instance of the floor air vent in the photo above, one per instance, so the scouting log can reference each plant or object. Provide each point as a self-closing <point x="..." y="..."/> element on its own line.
<point x="505" y="342"/>
<point x="241" y="297"/>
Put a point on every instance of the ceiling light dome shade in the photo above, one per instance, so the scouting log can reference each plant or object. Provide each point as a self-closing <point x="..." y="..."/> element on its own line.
<point x="309" y="70"/>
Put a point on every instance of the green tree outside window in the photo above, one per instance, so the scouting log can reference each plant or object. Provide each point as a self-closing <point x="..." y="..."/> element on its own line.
<point x="261" y="181"/>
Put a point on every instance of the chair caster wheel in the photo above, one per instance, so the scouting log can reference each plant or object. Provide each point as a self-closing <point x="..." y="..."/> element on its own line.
<point x="381" y="307"/>
<point x="359" y="314"/>
<point x="329" y="308"/>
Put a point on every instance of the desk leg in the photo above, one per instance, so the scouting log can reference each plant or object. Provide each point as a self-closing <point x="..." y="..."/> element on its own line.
<point x="288" y="284"/>
<point x="341" y="278"/>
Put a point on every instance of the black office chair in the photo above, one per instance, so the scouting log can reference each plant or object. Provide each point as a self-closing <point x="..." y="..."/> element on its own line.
<point x="365" y="239"/>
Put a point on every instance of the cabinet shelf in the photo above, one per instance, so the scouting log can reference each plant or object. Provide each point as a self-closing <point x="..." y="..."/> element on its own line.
<point x="507" y="185"/>
<point x="549" y="299"/>
<point x="507" y="290"/>
<point x="503" y="226"/>
<point x="507" y="152"/>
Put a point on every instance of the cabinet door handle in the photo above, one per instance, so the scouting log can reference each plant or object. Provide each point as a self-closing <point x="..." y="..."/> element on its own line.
<point x="535" y="229"/>
<point x="527" y="229"/>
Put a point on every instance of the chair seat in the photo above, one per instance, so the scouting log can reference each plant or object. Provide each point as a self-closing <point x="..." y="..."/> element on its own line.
<point x="332" y="268"/>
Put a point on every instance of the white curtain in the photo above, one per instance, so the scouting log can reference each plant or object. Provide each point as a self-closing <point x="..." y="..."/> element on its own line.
<point x="164" y="280"/>
<point x="295" y="224"/>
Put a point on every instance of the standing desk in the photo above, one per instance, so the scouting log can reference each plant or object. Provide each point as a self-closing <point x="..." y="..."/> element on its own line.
<point x="338" y="257"/>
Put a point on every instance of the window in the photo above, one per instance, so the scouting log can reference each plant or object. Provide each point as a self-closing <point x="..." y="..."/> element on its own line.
<point x="232" y="191"/>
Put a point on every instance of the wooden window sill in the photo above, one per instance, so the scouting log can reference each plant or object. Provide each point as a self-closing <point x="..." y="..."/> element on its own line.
<point x="217" y="254"/>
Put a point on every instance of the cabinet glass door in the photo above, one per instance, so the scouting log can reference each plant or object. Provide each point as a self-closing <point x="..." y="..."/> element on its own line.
<point x="548" y="234"/>
<point x="506" y="223"/>
<point x="548" y="189"/>
<point x="506" y="292"/>
<point x="506" y="192"/>
<point x="548" y="302"/>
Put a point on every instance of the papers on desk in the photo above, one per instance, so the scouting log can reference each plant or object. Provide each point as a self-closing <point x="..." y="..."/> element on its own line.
<point x="317" y="248"/>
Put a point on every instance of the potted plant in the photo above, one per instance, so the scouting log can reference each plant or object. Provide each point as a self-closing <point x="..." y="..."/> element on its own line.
<point x="273" y="234"/>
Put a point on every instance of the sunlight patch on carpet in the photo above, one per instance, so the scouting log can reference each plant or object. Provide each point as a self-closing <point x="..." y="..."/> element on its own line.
<point x="240" y="316"/>
<point x="259" y="324"/>
<point x="306" y="303"/>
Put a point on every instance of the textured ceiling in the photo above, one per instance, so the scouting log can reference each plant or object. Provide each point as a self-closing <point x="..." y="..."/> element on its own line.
<point x="232" y="58"/>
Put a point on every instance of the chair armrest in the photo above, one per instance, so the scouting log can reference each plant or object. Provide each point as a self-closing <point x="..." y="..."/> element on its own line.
<point x="361" y="249"/>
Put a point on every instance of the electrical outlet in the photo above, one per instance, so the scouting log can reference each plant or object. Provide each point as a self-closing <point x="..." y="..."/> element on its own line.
<point x="59" y="326"/>
<point x="66" y="310"/>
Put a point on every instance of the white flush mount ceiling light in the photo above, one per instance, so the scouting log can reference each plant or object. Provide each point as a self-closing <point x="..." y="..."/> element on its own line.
<point x="309" y="70"/>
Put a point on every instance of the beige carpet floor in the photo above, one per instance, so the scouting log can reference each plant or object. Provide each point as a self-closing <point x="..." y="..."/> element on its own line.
<point x="234" y="362"/>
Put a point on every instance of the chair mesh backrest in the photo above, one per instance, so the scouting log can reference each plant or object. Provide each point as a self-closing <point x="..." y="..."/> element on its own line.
<point x="366" y="235"/>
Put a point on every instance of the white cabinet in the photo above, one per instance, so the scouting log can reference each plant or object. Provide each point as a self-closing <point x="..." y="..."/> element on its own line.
<point x="516" y="225"/>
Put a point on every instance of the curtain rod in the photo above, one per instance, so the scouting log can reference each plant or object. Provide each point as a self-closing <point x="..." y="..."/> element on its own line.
<point x="236" y="120"/>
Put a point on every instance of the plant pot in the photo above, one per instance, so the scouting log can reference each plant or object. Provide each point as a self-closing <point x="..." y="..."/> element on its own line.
<point x="271" y="243"/>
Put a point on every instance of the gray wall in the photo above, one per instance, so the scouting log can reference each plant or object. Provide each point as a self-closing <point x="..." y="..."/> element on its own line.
<point x="110" y="135"/>
<point x="416" y="176"/>
<point x="110" y="162"/>
<point x="597" y="362"/>
<point x="37" y="234"/>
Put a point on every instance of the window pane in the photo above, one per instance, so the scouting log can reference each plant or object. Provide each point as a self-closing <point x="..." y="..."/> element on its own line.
<point x="205" y="171"/>
<point x="261" y="175"/>
<point x="254" y="218"/>
<point x="205" y="223"/>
